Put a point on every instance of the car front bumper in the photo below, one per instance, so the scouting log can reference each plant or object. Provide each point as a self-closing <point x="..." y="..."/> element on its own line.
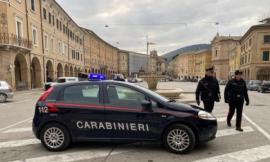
<point x="207" y="130"/>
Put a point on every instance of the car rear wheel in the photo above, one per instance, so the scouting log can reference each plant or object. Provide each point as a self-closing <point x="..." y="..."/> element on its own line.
<point x="3" y="98"/>
<point x="179" y="139"/>
<point x="55" y="137"/>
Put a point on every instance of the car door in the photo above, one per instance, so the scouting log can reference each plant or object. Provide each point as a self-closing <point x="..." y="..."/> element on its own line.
<point x="82" y="109"/>
<point x="131" y="121"/>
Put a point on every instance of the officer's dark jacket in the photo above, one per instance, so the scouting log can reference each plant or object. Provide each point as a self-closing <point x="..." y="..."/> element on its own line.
<point x="236" y="91"/>
<point x="208" y="89"/>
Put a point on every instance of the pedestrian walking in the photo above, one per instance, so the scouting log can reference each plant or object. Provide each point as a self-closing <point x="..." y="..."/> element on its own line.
<point x="208" y="90"/>
<point x="235" y="94"/>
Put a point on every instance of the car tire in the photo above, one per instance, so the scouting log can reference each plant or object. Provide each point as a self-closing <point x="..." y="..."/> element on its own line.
<point x="179" y="139"/>
<point x="55" y="137"/>
<point x="3" y="98"/>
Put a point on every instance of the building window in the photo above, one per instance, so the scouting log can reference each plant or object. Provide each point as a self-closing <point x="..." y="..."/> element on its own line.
<point x="19" y="28"/>
<point x="33" y="5"/>
<point x="267" y="39"/>
<point x="60" y="24"/>
<point x="73" y="54"/>
<point x="216" y="52"/>
<point x="44" y="14"/>
<point x="266" y="56"/>
<point x="63" y="48"/>
<point x="249" y="42"/>
<point x="46" y="42"/>
<point x="34" y="35"/>
<point x="52" y="44"/>
<point x="59" y="47"/>
<point x="64" y="29"/>
<point x="57" y="23"/>
<point x="53" y="20"/>
<point x="50" y="18"/>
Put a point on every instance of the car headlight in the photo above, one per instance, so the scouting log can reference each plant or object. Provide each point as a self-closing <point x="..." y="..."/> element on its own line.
<point x="205" y="115"/>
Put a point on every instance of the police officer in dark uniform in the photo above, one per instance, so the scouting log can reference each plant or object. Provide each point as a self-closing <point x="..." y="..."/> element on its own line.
<point x="235" y="94"/>
<point x="208" y="90"/>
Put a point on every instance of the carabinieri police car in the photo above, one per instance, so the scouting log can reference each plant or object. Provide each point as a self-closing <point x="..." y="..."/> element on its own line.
<point x="118" y="111"/>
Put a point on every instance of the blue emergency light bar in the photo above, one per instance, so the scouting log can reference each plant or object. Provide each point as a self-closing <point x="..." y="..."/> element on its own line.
<point x="95" y="76"/>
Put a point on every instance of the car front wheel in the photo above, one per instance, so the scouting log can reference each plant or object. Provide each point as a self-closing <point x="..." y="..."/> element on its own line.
<point x="179" y="139"/>
<point x="55" y="137"/>
<point x="3" y="98"/>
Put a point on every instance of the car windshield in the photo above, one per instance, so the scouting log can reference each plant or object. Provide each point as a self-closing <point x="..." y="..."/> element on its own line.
<point x="71" y="80"/>
<point x="266" y="83"/>
<point x="255" y="82"/>
<point x="61" y="80"/>
<point x="152" y="93"/>
<point x="4" y="84"/>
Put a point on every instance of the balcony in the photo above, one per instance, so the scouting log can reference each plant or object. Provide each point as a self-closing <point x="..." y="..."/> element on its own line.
<point x="12" y="41"/>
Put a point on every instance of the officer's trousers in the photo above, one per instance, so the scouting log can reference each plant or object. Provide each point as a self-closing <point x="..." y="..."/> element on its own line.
<point x="209" y="105"/>
<point x="238" y="106"/>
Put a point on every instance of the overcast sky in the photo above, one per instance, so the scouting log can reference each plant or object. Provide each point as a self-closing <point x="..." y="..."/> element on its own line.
<point x="171" y="24"/>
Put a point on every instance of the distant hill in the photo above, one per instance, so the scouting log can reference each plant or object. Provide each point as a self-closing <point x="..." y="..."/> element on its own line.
<point x="197" y="47"/>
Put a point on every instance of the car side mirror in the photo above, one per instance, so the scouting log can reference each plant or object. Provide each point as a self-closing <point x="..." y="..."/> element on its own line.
<point x="147" y="105"/>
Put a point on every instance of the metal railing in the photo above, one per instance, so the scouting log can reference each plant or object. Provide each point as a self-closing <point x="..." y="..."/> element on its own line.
<point x="14" y="40"/>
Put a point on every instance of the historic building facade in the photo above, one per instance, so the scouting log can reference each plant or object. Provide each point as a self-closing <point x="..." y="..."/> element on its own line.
<point x="182" y="65"/>
<point x="255" y="49"/>
<point x="123" y="63"/>
<point x="100" y="56"/>
<point x="157" y="65"/>
<point x="192" y="65"/>
<point x="137" y="63"/>
<point x="40" y="42"/>
<point x="203" y="60"/>
<point x="221" y="48"/>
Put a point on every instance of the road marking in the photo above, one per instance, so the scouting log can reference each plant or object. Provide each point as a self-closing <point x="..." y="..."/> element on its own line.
<point x="15" y="124"/>
<point x="18" y="143"/>
<point x="18" y="130"/>
<point x="248" y="155"/>
<point x="75" y="156"/>
<point x="220" y="133"/>
<point x="232" y="131"/>
<point x="267" y="135"/>
<point x="224" y="119"/>
<point x="16" y="102"/>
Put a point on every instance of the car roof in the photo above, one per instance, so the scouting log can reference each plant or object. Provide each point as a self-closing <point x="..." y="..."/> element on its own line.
<point x="95" y="82"/>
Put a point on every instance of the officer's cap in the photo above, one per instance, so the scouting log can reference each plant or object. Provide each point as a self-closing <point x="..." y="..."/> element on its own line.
<point x="238" y="72"/>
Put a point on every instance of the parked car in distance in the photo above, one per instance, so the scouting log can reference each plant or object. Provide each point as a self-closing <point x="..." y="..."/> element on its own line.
<point x="119" y="77"/>
<point x="6" y="91"/>
<point x="264" y="87"/>
<point x="138" y="80"/>
<point x="61" y="80"/>
<point x="131" y="80"/>
<point x="253" y="85"/>
<point x="222" y="82"/>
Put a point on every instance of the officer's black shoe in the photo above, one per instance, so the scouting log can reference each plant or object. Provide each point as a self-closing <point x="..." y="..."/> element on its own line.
<point x="229" y="124"/>
<point x="240" y="129"/>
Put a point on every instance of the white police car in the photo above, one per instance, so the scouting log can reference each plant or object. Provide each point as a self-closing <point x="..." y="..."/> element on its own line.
<point x="118" y="111"/>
